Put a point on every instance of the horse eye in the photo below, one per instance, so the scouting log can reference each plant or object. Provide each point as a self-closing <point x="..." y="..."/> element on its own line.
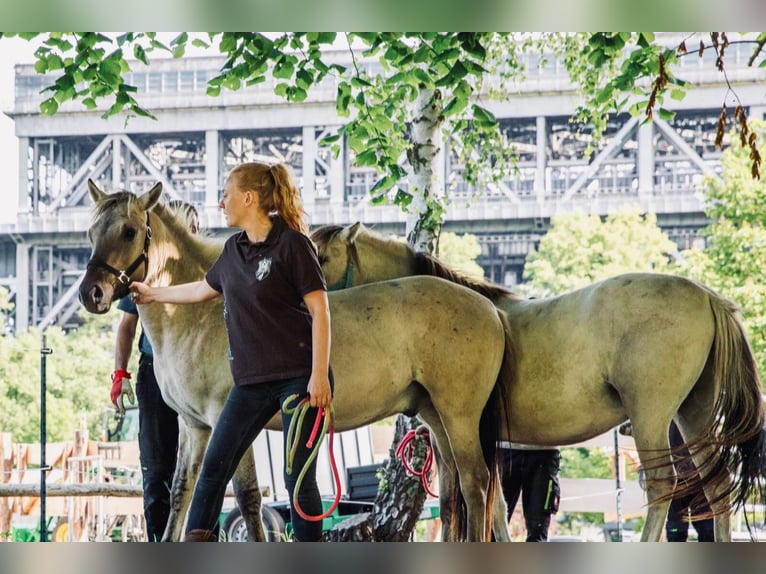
<point x="322" y="259"/>
<point x="130" y="233"/>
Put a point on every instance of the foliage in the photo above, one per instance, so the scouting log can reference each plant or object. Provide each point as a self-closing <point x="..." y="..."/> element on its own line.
<point x="389" y="72"/>
<point x="5" y="302"/>
<point x="580" y="249"/>
<point x="581" y="462"/>
<point x="619" y="70"/>
<point x="77" y="380"/>
<point x="734" y="261"/>
<point x="460" y="253"/>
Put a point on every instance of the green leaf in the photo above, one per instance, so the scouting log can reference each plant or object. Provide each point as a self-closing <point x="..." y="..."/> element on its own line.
<point x="677" y="94"/>
<point x="180" y="39"/>
<point x="483" y="117"/>
<point x="49" y="107"/>
<point x="54" y="62"/>
<point x="281" y="89"/>
<point x="296" y="94"/>
<point x="454" y="106"/>
<point x="140" y="54"/>
<point x="213" y="91"/>
<point x="41" y="66"/>
<point x="326" y="140"/>
<point x="326" y="37"/>
<point x="382" y="185"/>
<point x="283" y="68"/>
<point x="89" y="103"/>
<point x="367" y="158"/>
<point x="199" y="43"/>
<point x="666" y="114"/>
<point x="402" y="198"/>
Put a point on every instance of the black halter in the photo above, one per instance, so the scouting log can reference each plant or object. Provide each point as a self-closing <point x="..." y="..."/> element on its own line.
<point x="124" y="275"/>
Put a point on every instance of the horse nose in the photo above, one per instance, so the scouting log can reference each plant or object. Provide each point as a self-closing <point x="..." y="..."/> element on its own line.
<point x="94" y="296"/>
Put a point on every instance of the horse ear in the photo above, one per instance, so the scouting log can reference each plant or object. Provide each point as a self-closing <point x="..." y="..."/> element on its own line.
<point x="350" y="233"/>
<point x="95" y="193"/>
<point x="151" y="197"/>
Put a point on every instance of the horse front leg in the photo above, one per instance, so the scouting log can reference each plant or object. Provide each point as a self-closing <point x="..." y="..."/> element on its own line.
<point x="248" y="493"/>
<point x="191" y="448"/>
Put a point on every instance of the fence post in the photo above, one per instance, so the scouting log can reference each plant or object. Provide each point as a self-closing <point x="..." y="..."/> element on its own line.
<point x="44" y="352"/>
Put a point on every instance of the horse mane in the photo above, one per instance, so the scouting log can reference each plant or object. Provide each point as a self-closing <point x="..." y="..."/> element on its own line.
<point x="424" y="263"/>
<point x="178" y="217"/>
<point x="427" y="264"/>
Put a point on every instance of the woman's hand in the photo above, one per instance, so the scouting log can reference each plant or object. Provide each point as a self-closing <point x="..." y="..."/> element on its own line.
<point x="320" y="394"/>
<point x="142" y="293"/>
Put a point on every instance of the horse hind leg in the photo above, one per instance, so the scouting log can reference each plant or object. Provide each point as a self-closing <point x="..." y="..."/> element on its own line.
<point x="653" y="451"/>
<point x="447" y="472"/>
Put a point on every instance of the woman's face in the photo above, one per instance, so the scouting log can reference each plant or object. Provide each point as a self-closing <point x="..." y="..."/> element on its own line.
<point x="233" y="203"/>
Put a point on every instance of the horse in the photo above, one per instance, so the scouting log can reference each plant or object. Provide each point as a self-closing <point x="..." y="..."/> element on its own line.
<point x="405" y="346"/>
<point x="646" y="347"/>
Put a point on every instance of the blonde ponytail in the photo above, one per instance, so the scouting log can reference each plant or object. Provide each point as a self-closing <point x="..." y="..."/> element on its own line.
<point x="276" y="189"/>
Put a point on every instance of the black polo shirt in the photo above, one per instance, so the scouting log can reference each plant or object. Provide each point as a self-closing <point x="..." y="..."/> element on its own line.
<point x="263" y="285"/>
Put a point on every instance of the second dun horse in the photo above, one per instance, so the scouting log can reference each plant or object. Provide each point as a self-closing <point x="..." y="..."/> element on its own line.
<point x="418" y="346"/>
<point x="646" y="347"/>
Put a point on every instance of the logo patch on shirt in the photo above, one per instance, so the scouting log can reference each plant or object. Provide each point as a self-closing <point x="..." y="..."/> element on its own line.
<point x="264" y="268"/>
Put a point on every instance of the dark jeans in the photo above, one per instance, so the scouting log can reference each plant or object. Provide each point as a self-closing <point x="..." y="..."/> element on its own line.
<point x="158" y="448"/>
<point x="534" y="475"/>
<point x="245" y="413"/>
<point x="677" y="525"/>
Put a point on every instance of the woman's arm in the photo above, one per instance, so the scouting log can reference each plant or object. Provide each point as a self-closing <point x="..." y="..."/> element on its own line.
<point x="320" y="394"/>
<point x="185" y="293"/>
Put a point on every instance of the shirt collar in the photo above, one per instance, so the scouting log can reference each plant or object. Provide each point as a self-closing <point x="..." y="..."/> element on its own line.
<point x="277" y="226"/>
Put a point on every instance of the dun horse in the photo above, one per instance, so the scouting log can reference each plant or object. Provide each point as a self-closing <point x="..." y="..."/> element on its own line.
<point x="647" y="347"/>
<point x="418" y="346"/>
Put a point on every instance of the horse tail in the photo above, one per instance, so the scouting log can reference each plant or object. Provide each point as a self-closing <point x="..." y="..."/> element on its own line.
<point x="736" y="428"/>
<point x="494" y="419"/>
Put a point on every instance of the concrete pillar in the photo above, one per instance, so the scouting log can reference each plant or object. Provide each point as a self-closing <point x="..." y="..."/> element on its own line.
<point x="645" y="160"/>
<point x="117" y="182"/>
<point x="308" y="192"/>
<point x="23" y="171"/>
<point x="542" y="158"/>
<point x="22" y="287"/>
<point x="212" y="167"/>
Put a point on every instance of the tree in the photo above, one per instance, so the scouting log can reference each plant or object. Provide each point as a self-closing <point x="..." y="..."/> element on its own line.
<point x="460" y="253"/>
<point x="580" y="249"/>
<point x="76" y="380"/>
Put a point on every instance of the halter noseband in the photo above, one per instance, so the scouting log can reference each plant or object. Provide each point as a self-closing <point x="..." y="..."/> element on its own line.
<point x="123" y="276"/>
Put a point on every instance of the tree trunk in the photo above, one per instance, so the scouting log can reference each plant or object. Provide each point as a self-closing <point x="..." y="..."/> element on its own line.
<point x="427" y="176"/>
<point x="399" y="502"/>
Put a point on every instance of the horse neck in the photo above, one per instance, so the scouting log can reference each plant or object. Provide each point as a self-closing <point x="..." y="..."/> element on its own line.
<point x="177" y="256"/>
<point x="381" y="259"/>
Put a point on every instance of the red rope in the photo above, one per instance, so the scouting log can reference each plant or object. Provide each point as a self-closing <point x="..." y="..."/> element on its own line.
<point x="331" y="431"/>
<point x="405" y="453"/>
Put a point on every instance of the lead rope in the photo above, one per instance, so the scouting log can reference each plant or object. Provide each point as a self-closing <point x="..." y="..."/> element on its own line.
<point x="405" y="451"/>
<point x="291" y="446"/>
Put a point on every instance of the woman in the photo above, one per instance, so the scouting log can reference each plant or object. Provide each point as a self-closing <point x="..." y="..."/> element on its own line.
<point x="278" y="322"/>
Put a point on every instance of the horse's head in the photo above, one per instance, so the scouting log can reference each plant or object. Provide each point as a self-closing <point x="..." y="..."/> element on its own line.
<point x="120" y="235"/>
<point x="337" y="253"/>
